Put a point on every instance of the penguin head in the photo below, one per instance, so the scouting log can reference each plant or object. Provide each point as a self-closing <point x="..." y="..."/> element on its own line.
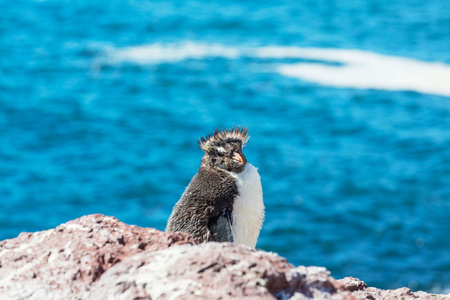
<point x="223" y="149"/>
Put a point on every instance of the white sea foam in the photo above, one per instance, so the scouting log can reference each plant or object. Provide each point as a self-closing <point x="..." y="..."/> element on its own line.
<point x="170" y="53"/>
<point x="366" y="70"/>
<point x="357" y="69"/>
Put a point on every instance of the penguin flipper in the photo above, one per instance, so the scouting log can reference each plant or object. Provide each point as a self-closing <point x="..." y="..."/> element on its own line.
<point x="220" y="227"/>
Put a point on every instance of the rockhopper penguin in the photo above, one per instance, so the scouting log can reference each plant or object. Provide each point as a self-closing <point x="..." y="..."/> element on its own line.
<point x="223" y="201"/>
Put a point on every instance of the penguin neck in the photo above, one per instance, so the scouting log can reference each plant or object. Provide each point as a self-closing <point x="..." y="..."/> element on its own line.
<point x="248" y="207"/>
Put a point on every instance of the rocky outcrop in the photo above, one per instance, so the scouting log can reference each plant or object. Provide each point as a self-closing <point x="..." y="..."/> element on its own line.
<point x="98" y="257"/>
<point x="214" y="271"/>
<point x="360" y="290"/>
<point x="64" y="263"/>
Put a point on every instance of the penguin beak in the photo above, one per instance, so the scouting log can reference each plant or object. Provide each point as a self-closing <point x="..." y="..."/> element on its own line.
<point x="237" y="157"/>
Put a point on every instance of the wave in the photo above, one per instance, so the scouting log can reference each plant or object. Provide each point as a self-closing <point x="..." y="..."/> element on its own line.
<point x="366" y="70"/>
<point x="351" y="69"/>
<point x="170" y="53"/>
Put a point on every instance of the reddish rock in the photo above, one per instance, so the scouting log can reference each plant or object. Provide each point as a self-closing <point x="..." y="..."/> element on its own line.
<point x="352" y="284"/>
<point x="361" y="291"/>
<point x="214" y="271"/>
<point x="66" y="260"/>
<point x="402" y="293"/>
<point x="98" y="257"/>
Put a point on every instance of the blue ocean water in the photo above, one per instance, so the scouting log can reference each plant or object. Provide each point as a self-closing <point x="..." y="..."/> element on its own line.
<point x="347" y="102"/>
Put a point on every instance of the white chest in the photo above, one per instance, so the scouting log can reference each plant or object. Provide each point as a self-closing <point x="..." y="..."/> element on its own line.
<point x="248" y="207"/>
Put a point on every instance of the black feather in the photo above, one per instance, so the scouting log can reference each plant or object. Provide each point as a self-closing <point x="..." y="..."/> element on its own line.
<point x="220" y="227"/>
<point x="209" y="193"/>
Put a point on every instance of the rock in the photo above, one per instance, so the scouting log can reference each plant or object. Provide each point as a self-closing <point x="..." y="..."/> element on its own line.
<point x="56" y="263"/>
<point x="214" y="271"/>
<point x="99" y="257"/>
<point x="361" y="291"/>
<point x="352" y="284"/>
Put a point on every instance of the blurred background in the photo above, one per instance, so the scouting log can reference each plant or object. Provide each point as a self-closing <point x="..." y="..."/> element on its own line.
<point x="347" y="102"/>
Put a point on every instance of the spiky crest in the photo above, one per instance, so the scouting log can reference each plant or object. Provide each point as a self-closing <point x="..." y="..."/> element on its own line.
<point x="214" y="140"/>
